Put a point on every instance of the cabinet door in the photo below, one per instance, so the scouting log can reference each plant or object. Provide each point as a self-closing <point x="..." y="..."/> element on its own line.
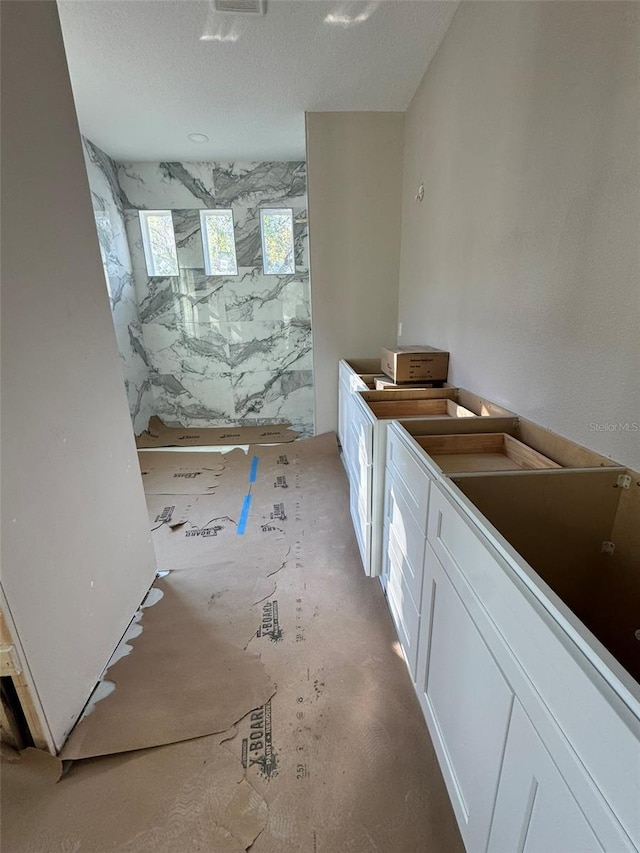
<point x="343" y="399"/>
<point x="361" y="528"/>
<point x="466" y="701"/>
<point x="535" y="810"/>
<point x="406" y="534"/>
<point x="360" y="423"/>
<point x="404" y="612"/>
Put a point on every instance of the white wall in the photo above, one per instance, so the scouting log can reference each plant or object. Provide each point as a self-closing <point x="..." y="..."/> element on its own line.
<point x="76" y="553"/>
<point x="523" y="258"/>
<point x="354" y="167"/>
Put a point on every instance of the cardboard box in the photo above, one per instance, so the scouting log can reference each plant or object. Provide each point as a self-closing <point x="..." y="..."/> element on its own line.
<point x="384" y="384"/>
<point x="415" y="363"/>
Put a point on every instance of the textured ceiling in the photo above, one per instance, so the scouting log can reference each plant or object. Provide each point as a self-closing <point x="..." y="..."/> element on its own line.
<point x="144" y="77"/>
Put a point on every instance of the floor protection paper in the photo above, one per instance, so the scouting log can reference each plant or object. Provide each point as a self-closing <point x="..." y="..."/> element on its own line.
<point x="160" y="435"/>
<point x="189" y="796"/>
<point x="328" y="730"/>
<point x="340" y="752"/>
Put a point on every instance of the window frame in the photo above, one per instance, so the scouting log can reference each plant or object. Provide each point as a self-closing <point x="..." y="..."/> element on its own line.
<point x="212" y="213"/>
<point x="280" y="210"/>
<point x="149" y="258"/>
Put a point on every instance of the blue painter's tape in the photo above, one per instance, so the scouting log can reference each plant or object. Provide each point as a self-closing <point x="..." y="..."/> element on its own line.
<point x="254" y="469"/>
<point x="242" y="523"/>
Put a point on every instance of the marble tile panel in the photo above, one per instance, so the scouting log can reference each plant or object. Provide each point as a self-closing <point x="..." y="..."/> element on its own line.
<point x="279" y="346"/>
<point x="140" y="399"/>
<point x="141" y="404"/>
<point x="196" y="350"/>
<point x="181" y="301"/>
<point x="301" y="238"/>
<point x="193" y="402"/>
<point x="259" y="183"/>
<point x="248" y="239"/>
<point x="124" y="309"/>
<point x="254" y="296"/>
<point x="122" y="294"/>
<point x="276" y="396"/>
<point x="107" y="203"/>
<point x="136" y="374"/>
<point x="103" y="174"/>
<point x="131" y="348"/>
<point x="167" y="186"/>
<point x="222" y="350"/>
<point x="136" y="250"/>
<point x="186" y="227"/>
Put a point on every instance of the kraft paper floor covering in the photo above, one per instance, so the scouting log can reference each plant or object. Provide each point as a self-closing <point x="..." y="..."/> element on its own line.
<point x="329" y="751"/>
<point x="160" y="435"/>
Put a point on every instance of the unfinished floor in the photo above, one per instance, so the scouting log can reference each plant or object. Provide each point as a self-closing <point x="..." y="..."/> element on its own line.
<point x="260" y="701"/>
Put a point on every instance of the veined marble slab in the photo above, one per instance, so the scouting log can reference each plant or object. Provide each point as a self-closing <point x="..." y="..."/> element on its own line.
<point x="223" y="349"/>
<point x="282" y="346"/>
<point x="190" y="349"/>
<point x="190" y="298"/>
<point x="270" y="395"/>
<point x="198" y="185"/>
<point x="267" y="298"/>
<point x="118" y="269"/>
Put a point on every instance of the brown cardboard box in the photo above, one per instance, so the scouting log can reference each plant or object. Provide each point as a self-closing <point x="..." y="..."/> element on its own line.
<point x="415" y="363"/>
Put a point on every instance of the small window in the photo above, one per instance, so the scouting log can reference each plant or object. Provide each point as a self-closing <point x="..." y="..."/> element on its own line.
<point x="159" y="242"/>
<point x="218" y="242"/>
<point x="276" y="226"/>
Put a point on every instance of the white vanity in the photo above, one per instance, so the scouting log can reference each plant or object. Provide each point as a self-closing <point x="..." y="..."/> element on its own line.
<point x="511" y="563"/>
<point x="364" y="416"/>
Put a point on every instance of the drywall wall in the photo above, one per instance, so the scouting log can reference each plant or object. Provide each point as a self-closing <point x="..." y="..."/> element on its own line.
<point x="118" y="271"/>
<point x="76" y="553"/>
<point x="354" y="166"/>
<point x="523" y="258"/>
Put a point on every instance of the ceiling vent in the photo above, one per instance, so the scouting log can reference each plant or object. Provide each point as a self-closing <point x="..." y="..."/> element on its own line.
<point x="241" y="7"/>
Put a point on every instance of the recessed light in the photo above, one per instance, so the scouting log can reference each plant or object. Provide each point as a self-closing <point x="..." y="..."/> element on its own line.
<point x="197" y="137"/>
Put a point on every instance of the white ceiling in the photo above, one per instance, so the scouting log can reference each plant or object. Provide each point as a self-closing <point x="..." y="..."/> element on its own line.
<point x="143" y="76"/>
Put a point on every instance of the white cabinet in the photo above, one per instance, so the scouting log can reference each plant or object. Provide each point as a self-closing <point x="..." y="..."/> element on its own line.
<point x="351" y="379"/>
<point x="360" y="469"/>
<point x="466" y="701"/>
<point x="535" y="810"/>
<point x="368" y="416"/>
<point x="538" y="751"/>
<point x="403" y="555"/>
<point x="349" y="383"/>
<point x="404" y="524"/>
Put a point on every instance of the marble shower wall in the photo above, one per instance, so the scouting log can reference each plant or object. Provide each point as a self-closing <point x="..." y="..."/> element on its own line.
<point x="224" y="350"/>
<point x="116" y="261"/>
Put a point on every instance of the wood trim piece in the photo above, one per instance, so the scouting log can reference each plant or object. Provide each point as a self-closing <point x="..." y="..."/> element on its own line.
<point x="496" y="448"/>
<point x="31" y="708"/>
<point x="455" y="410"/>
<point x="407" y="408"/>
<point x="454" y="426"/>
<point x="389" y="394"/>
<point x="364" y="365"/>
<point x="30" y="712"/>
<point x="489" y="442"/>
<point x="525" y="456"/>
<point x="10" y="732"/>
<point x="567" y="453"/>
<point x="480" y="405"/>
